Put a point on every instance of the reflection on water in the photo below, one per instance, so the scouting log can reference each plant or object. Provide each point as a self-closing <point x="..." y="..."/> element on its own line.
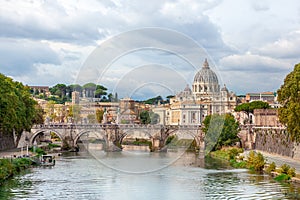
<point x="84" y="176"/>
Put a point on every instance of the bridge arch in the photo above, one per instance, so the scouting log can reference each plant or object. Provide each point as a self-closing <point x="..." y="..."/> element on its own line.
<point x="87" y="131"/>
<point x="36" y="133"/>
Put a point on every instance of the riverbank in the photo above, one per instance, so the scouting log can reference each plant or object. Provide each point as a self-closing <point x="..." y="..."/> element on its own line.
<point x="281" y="168"/>
<point x="12" y="166"/>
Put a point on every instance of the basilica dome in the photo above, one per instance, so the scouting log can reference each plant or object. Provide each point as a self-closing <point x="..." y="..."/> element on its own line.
<point x="206" y="75"/>
<point x="205" y="82"/>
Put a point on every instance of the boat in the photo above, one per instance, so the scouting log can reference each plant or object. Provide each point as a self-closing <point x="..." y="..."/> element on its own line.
<point x="47" y="160"/>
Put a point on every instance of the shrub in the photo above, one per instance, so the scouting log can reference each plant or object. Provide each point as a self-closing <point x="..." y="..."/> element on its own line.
<point x="282" y="177"/>
<point x="284" y="169"/>
<point x="271" y="167"/>
<point x="291" y="172"/>
<point x="255" y="161"/>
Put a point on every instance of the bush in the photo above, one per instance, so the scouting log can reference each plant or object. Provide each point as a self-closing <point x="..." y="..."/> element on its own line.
<point x="256" y="161"/>
<point x="292" y="172"/>
<point x="271" y="167"/>
<point x="286" y="169"/>
<point x="282" y="177"/>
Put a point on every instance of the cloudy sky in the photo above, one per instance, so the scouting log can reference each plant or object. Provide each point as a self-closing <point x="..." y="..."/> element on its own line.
<point x="143" y="49"/>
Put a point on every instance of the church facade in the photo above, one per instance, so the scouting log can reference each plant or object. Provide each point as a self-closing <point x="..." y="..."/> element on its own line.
<point x="205" y="97"/>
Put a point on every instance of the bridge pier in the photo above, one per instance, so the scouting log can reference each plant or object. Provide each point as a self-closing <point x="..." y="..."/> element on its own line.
<point x="113" y="134"/>
<point x="113" y="137"/>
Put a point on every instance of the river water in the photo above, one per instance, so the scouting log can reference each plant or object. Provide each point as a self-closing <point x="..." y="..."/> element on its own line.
<point x="140" y="174"/>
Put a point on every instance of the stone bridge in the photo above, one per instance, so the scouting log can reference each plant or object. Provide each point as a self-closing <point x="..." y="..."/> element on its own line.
<point x="113" y="134"/>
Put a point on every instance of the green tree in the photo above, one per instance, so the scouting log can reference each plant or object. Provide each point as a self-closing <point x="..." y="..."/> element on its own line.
<point x="100" y="91"/>
<point x="99" y="115"/>
<point x="144" y="117"/>
<point x="74" y="112"/>
<point x="249" y="107"/>
<point x="39" y="116"/>
<point x="59" y="90"/>
<point x="17" y="108"/>
<point x="220" y="130"/>
<point x="90" y="89"/>
<point x="289" y="98"/>
<point x="50" y="110"/>
<point x="154" y="100"/>
<point x="147" y="117"/>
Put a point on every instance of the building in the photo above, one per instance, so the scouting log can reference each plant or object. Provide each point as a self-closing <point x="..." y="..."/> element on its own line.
<point x="128" y="111"/>
<point x="75" y="97"/>
<point x="266" y="117"/>
<point x="206" y="97"/>
<point x="40" y="90"/>
<point x="269" y="97"/>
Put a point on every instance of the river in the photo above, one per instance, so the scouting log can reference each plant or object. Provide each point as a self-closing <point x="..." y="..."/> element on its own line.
<point x="133" y="174"/>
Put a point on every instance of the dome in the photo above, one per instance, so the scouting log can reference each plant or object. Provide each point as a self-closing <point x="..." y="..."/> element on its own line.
<point x="224" y="89"/>
<point x="187" y="89"/>
<point x="206" y="75"/>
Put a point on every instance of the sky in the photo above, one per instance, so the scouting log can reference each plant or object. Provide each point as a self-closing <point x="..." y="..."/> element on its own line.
<point x="142" y="49"/>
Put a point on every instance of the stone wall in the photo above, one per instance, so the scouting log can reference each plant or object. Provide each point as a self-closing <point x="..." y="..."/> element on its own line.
<point x="6" y="141"/>
<point x="266" y="117"/>
<point x="276" y="141"/>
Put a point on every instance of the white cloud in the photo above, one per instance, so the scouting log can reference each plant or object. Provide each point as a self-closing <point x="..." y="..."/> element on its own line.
<point x="47" y="42"/>
<point x="287" y="47"/>
<point x="249" y="62"/>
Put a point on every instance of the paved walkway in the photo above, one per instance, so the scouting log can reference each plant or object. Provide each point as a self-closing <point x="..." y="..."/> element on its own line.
<point x="10" y="153"/>
<point x="280" y="160"/>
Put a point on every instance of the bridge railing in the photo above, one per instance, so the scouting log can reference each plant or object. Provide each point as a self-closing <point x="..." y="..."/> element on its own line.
<point x="114" y="126"/>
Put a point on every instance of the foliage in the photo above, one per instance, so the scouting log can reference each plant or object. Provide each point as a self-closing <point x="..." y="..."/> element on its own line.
<point x="282" y="177"/>
<point x="99" y="115"/>
<point x="148" y="117"/>
<point x="8" y="167"/>
<point x="39" y="116"/>
<point x="286" y="169"/>
<point x="91" y="118"/>
<point x="271" y="168"/>
<point x="74" y="112"/>
<point x="61" y="93"/>
<point x="289" y="98"/>
<point x="249" y="107"/>
<point x="256" y="161"/>
<point x="141" y="142"/>
<point x="54" y="136"/>
<point x="227" y="154"/>
<point x="154" y="100"/>
<point x="220" y="130"/>
<point x="51" y="145"/>
<point x="58" y="90"/>
<point x="17" y="108"/>
<point x="170" y="139"/>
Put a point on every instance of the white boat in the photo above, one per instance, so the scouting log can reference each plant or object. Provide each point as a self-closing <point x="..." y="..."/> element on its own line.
<point x="47" y="160"/>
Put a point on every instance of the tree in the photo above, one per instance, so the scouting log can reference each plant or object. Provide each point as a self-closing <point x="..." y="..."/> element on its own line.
<point x="59" y="90"/>
<point x="289" y="97"/>
<point x="100" y="91"/>
<point x="154" y="100"/>
<point x="90" y="89"/>
<point x="99" y="115"/>
<point x="50" y="110"/>
<point x="147" y="117"/>
<point x="220" y="130"/>
<point x="39" y="116"/>
<point x="17" y="108"/>
<point x="249" y="107"/>
<point x="74" y="112"/>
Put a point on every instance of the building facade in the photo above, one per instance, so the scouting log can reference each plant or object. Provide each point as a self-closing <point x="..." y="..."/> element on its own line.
<point x="206" y="97"/>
